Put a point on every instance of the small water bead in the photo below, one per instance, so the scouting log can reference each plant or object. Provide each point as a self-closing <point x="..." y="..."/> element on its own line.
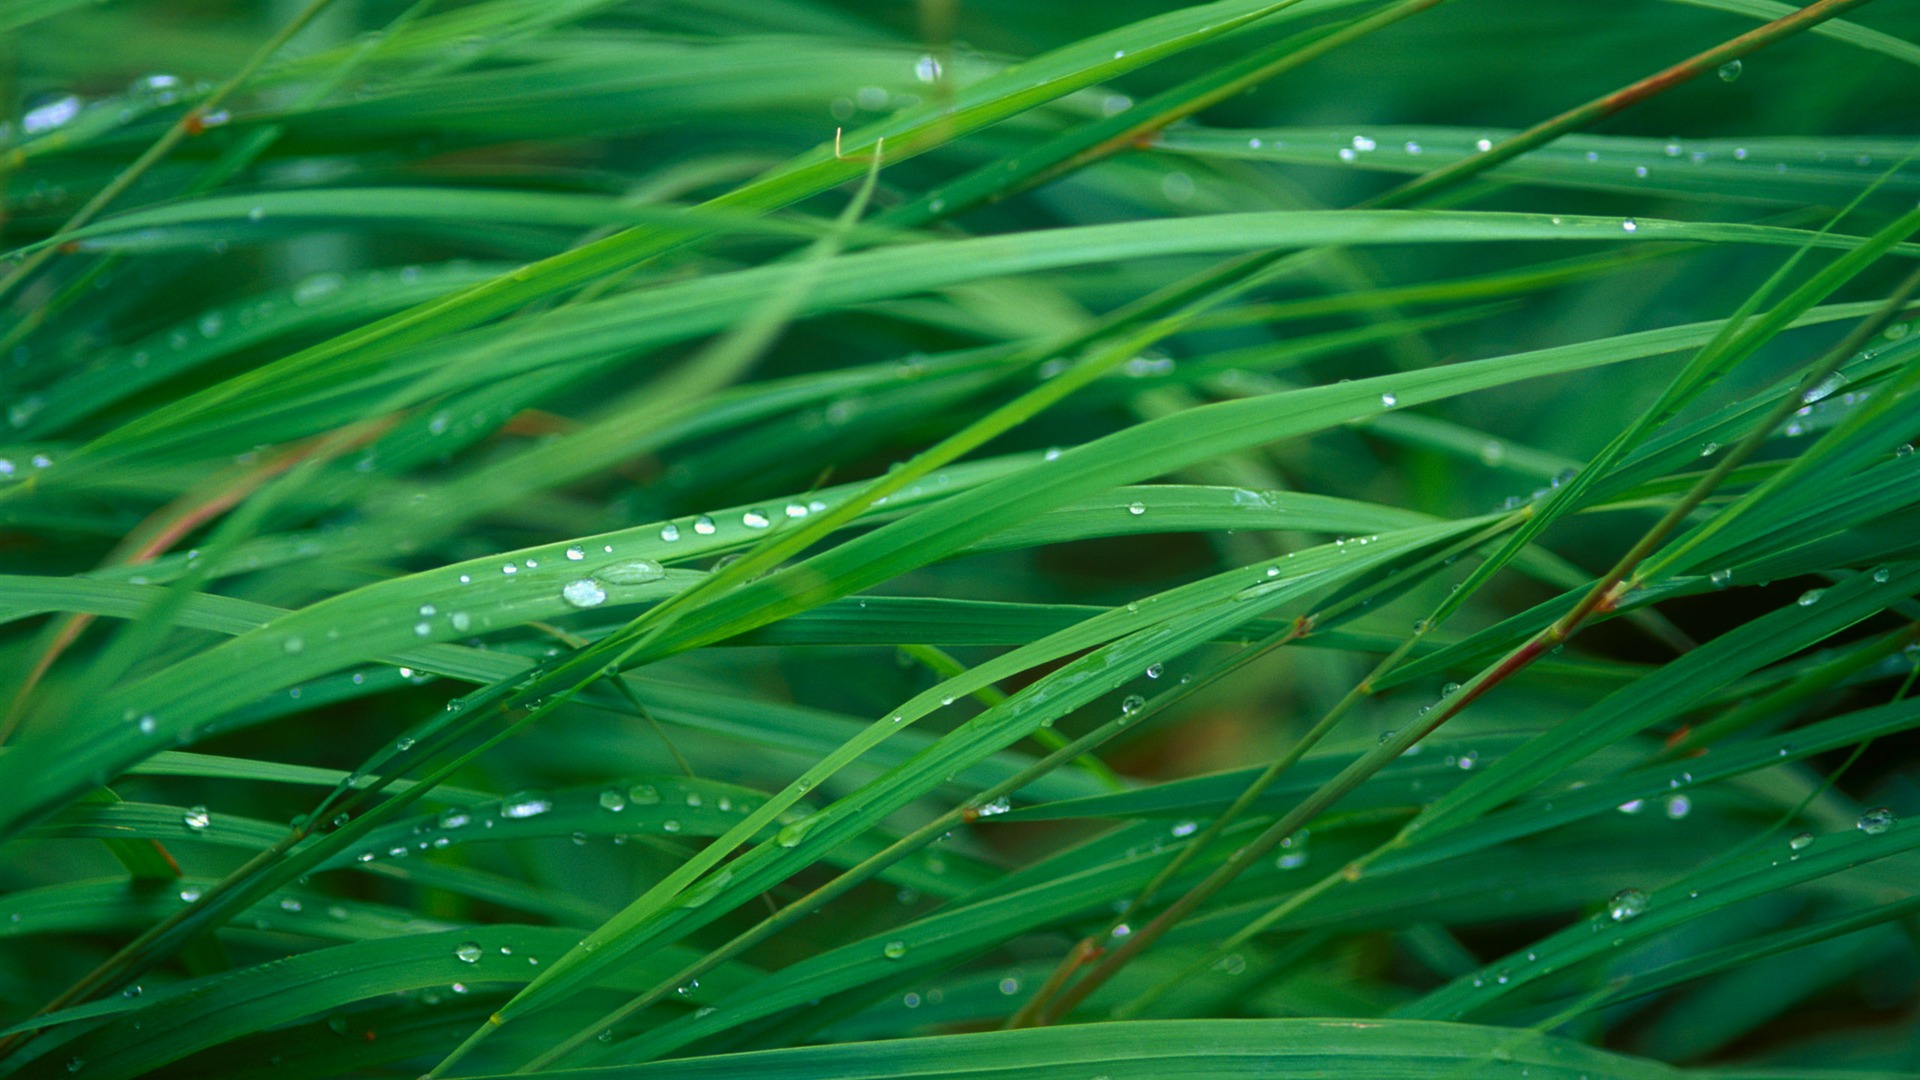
<point x="1882" y="576"/>
<point x="1810" y="597"/>
<point x="894" y="950"/>
<point x="576" y="553"/>
<point x="1629" y="225"/>
<point x="670" y="825"/>
<point x="468" y="952"/>
<point x="1719" y="578"/>
<point x="998" y="806"/>
<point x="1009" y="986"/>
<point x="1185" y="828"/>
<point x="1709" y="449"/>
<point x="583" y="593"/>
<point x="509" y="569"/>
<point x="460" y="621"/>
<point x="631" y="572"/>
<point x="1132" y="704"/>
<point x="613" y="799"/>
<point x="1154" y="671"/>
<point x="1626" y="904"/>
<point x="1877" y="820"/>
<point x="643" y="795"/>
<point x="670" y="532"/>
<point x="1730" y="71"/>
<point x="1678" y="806"/>
<point x="293" y="644"/>
<point x="927" y="69"/>
<point x="755" y="519"/>
<point x="1633" y="806"/>
<point x="1483" y="145"/>
<point x="1801" y="841"/>
<point x="703" y="525"/>
<point x="197" y="818"/>
<point x="1136" y="508"/>
<point x="454" y="818"/>
<point x="1389" y="400"/>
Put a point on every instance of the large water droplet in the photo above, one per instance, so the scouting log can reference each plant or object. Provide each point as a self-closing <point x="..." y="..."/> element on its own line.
<point x="669" y="532"/>
<point x="1626" y="904"/>
<point x="584" y="593"/>
<point x="755" y="519"/>
<point x="1877" y="820"/>
<point x="524" y="805"/>
<point x="468" y="952"/>
<point x="631" y="572"/>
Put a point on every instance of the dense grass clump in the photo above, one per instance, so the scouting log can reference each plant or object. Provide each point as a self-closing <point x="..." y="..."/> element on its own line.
<point x="1323" y="537"/>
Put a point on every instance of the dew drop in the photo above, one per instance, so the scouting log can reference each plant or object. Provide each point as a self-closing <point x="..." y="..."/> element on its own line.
<point x="1877" y="820"/>
<point x="584" y="593"/>
<point x="1626" y="904"/>
<point x="755" y="519"/>
<point x="643" y="795"/>
<point x="894" y="950"/>
<point x="1389" y="400"/>
<point x="1810" y="597"/>
<point x="468" y="952"/>
<point x="1629" y="225"/>
<point x="612" y="799"/>
<point x="1730" y="71"/>
<point x="703" y="525"/>
<point x="576" y="553"/>
<point x="524" y="805"/>
<point x="1136" y="508"/>
<point x="1801" y="841"/>
<point x="197" y="818"/>
<point x="630" y="572"/>
<point x="669" y="532"/>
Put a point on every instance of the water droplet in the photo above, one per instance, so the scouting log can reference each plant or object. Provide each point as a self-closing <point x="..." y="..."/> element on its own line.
<point x="461" y="621"/>
<point x="1136" y="508"/>
<point x="1877" y="820"/>
<point x="524" y="805"/>
<point x="612" y="799"/>
<point x="468" y="952"/>
<point x="894" y="950"/>
<point x="1810" y="597"/>
<point x="631" y="572"/>
<point x="1801" y="841"/>
<point x="197" y="818"/>
<point x="1719" y="578"/>
<point x="1483" y="145"/>
<point x="1633" y="806"/>
<point x="293" y="644"/>
<point x="669" y="532"/>
<point x="1708" y="449"/>
<point x="703" y="525"/>
<point x="584" y="593"/>
<point x="509" y="569"/>
<point x="1626" y="904"/>
<point x="1678" y="806"/>
<point x="576" y="553"/>
<point x="643" y="795"/>
<point x="1882" y="576"/>
<point x="1131" y="704"/>
<point x="1730" y="71"/>
<point x="1154" y="671"/>
<point x="755" y="519"/>
<point x="1389" y="400"/>
<point x="670" y="825"/>
<point x="1009" y="986"/>
<point x="1630" y="225"/>
<point x="1185" y="828"/>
